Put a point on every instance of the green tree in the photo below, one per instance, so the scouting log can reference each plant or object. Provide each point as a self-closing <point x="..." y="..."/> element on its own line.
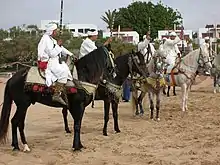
<point x="109" y="19"/>
<point x="137" y="14"/>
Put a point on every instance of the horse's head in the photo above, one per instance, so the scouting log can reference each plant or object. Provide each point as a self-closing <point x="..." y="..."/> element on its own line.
<point x="137" y="63"/>
<point x="204" y="61"/>
<point x="157" y="65"/>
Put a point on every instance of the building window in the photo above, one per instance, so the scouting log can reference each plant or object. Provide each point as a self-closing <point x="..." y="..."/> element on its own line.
<point x="128" y="38"/>
<point x="86" y="30"/>
<point x="80" y="30"/>
<point x="72" y="30"/>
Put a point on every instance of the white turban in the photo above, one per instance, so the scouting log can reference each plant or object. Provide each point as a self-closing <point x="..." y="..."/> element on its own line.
<point x="90" y="33"/>
<point x="206" y="38"/>
<point x="172" y="34"/>
<point x="50" y="28"/>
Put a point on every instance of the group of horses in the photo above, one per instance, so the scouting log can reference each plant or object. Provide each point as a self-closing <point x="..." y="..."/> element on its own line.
<point x="96" y="69"/>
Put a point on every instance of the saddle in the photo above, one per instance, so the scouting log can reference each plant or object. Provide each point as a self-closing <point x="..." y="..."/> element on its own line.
<point x="36" y="82"/>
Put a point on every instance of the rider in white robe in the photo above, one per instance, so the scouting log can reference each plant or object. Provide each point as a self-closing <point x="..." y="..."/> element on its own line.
<point x="88" y="45"/>
<point x="171" y="49"/>
<point x="143" y="45"/>
<point x="161" y="47"/>
<point x="206" y="46"/>
<point x="49" y="51"/>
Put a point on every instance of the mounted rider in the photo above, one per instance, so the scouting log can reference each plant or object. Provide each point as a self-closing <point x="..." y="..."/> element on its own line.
<point x="206" y="47"/>
<point x="161" y="47"/>
<point x="145" y="48"/>
<point x="49" y="51"/>
<point x="88" y="45"/>
<point x="171" y="49"/>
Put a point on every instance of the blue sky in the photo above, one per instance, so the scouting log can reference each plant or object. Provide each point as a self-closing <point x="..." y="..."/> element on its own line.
<point x="196" y="13"/>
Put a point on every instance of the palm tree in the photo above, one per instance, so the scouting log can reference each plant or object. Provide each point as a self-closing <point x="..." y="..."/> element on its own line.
<point x="109" y="19"/>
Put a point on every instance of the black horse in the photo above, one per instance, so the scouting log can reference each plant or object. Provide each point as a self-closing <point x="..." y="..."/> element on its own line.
<point x="126" y="64"/>
<point x="90" y="70"/>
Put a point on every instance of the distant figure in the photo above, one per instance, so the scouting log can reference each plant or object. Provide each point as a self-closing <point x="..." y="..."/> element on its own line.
<point x="126" y="90"/>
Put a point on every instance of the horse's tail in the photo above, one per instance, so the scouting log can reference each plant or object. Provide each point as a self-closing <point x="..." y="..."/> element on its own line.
<point x="5" y="114"/>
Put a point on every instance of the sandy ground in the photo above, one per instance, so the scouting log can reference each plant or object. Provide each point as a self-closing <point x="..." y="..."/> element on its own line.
<point x="192" y="139"/>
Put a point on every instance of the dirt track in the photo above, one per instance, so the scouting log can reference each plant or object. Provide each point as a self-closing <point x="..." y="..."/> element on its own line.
<point x="193" y="139"/>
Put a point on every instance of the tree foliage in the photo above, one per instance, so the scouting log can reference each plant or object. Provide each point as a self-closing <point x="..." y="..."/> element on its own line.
<point x="20" y="44"/>
<point x="137" y="14"/>
<point x="109" y="18"/>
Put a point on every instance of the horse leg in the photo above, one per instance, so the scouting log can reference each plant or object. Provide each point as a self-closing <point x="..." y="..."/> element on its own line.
<point x="77" y="112"/>
<point x="115" y="116"/>
<point x="168" y="91"/>
<point x="106" y="116"/>
<point x="14" y="125"/>
<point x="183" y="96"/>
<point x="174" y="91"/>
<point x="21" y="130"/>
<point x="140" y="101"/>
<point x="187" y="93"/>
<point x="150" y="95"/>
<point x="164" y="90"/>
<point x="135" y="101"/>
<point x="65" y="113"/>
<point x="215" y="82"/>
<point x="157" y="106"/>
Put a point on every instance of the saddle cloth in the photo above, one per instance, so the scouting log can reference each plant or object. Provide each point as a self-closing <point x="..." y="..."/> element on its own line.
<point x="37" y="77"/>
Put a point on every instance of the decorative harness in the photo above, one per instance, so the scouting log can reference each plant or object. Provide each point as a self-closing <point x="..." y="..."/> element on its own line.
<point x="179" y="70"/>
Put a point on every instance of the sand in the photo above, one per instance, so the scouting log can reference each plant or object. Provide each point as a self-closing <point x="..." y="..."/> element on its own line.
<point x="191" y="139"/>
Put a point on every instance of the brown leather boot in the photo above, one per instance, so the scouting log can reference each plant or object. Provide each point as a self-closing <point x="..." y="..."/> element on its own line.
<point x="58" y="89"/>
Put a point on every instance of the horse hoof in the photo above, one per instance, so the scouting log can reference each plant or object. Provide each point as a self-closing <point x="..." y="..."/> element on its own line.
<point x="105" y="134"/>
<point x="26" y="148"/>
<point x="68" y="131"/>
<point x="117" y="131"/>
<point x="16" y="149"/>
<point x="158" y="119"/>
<point x="76" y="149"/>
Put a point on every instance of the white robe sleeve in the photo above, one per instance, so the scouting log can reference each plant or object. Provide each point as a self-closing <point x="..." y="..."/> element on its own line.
<point x="143" y="45"/>
<point x="173" y="42"/>
<point x="52" y="50"/>
<point x="41" y="48"/>
<point x="66" y="52"/>
<point x="89" y="47"/>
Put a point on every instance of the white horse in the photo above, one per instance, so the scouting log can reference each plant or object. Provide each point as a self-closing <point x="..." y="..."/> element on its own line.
<point x="184" y="72"/>
<point x="215" y="73"/>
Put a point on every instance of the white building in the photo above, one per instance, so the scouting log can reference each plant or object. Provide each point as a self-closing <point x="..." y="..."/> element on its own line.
<point x="127" y="36"/>
<point x="81" y="29"/>
<point x="77" y="29"/>
<point x="213" y="33"/>
<point x="187" y="35"/>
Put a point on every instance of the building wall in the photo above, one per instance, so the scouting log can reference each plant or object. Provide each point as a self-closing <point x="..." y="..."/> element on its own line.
<point x="77" y="29"/>
<point x="127" y="36"/>
<point x="205" y="32"/>
<point x="81" y="29"/>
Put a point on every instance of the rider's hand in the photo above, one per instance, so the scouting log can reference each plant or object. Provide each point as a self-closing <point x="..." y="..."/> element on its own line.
<point x="60" y="42"/>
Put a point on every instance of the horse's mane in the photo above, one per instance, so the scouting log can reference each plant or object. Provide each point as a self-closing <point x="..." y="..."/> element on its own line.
<point x="91" y="67"/>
